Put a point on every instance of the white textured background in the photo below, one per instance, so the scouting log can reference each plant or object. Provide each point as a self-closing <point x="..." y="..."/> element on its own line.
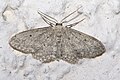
<point x="103" y="23"/>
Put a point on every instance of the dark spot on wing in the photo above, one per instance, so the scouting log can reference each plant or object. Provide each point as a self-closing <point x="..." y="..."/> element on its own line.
<point x="68" y="38"/>
<point x="61" y="55"/>
<point x="30" y="35"/>
<point x="58" y="41"/>
<point x="85" y="40"/>
<point x="80" y="33"/>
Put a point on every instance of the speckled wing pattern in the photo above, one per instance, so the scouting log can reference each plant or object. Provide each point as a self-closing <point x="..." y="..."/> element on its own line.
<point x="48" y="44"/>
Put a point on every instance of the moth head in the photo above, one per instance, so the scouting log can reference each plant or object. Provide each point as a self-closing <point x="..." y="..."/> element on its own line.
<point x="59" y="24"/>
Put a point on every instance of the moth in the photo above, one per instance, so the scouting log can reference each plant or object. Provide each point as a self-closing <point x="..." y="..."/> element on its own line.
<point x="57" y="42"/>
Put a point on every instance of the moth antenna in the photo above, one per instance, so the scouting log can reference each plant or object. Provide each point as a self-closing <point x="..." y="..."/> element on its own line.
<point x="74" y="24"/>
<point x="71" y="19"/>
<point x="48" y="19"/>
<point x="70" y="15"/>
<point x="43" y="14"/>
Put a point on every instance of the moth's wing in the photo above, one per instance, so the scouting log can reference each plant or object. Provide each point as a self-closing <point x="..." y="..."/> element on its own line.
<point x="23" y="41"/>
<point x="35" y="41"/>
<point x="82" y="45"/>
